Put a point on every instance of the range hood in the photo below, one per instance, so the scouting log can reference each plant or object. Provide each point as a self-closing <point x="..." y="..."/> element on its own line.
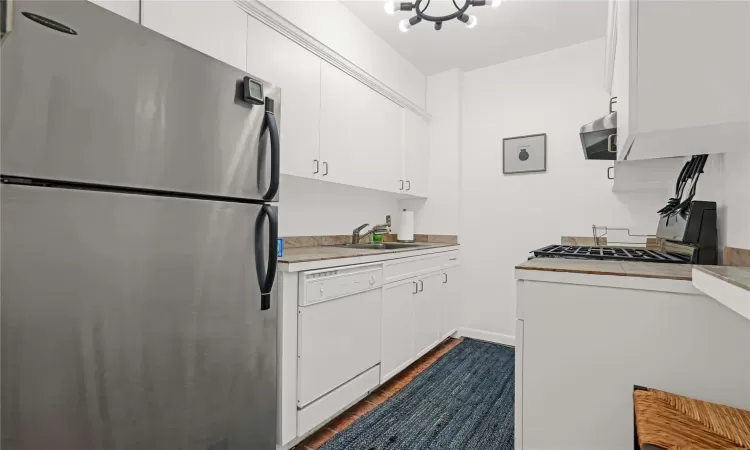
<point x="598" y="137"/>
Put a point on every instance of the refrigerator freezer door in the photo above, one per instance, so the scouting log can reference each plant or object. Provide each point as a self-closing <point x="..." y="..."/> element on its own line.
<point x="119" y="104"/>
<point x="133" y="322"/>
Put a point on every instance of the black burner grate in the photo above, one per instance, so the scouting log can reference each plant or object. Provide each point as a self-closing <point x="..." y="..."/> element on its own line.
<point x="614" y="253"/>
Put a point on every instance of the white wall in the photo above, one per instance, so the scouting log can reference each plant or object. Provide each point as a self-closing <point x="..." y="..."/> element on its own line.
<point x="313" y="208"/>
<point x="504" y="217"/>
<point x="339" y="29"/>
<point x="440" y="213"/>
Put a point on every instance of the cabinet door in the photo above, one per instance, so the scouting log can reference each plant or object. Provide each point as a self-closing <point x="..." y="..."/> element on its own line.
<point x="397" y="332"/>
<point x="130" y="9"/>
<point x="622" y="88"/>
<point x="296" y="71"/>
<point x="696" y="73"/>
<point x="427" y="305"/>
<point x="518" y="431"/>
<point x="450" y="305"/>
<point x="416" y="154"/>
<point x="217" y="28"/>
<point x="360" y="133"/>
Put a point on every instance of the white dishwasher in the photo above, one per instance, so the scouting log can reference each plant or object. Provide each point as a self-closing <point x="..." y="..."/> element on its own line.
<point x="338" y="332"/>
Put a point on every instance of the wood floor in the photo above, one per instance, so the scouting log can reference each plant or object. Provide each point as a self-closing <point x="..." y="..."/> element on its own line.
<point x="382" y="394"/>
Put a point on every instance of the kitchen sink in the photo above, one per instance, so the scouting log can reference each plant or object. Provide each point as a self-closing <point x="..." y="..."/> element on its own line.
<point x="384" y="245"/>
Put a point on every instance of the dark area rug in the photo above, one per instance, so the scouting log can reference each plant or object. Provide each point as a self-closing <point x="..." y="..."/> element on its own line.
<point x="464" y="401"/>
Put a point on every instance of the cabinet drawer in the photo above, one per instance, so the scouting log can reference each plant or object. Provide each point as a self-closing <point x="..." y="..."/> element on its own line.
<point x="451" y="258"/>
<point x="399" y="269"/>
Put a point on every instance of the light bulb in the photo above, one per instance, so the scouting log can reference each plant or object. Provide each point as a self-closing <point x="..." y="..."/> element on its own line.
<point x="496" y="3"/>
<point x="472" y="22"/>
<point x="404" y="25"/>
<point x="390" y="7"/>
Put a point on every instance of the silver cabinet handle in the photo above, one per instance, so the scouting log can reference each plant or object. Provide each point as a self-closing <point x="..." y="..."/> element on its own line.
<point x="421" y="285"/>
<point x="408" y="185"/>
<point x="416" y="287"/>
<point x="446" y="278"/>
<point x="609" y="143"/>
<point x="325" y="167"/>
<point x="402" y="185"/>
<point x="610" y="175"/>
<point x="317" y="166"/>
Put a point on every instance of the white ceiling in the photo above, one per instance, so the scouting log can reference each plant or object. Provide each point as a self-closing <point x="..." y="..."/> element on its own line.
<point x="515" y="29"/>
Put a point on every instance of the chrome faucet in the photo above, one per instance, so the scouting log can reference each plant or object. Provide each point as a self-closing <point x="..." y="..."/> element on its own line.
<point x="355" y="234"/>
<point x="377" y="229"/>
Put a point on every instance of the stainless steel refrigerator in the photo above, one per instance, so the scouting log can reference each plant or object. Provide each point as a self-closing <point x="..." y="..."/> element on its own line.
<point x="138" y="239"/>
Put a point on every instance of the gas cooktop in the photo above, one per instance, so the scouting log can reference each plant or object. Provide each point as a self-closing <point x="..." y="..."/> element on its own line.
<point x="611" y="253"/>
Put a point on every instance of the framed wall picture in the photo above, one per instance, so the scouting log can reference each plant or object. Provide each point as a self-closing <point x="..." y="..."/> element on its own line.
<point x="525" y="154"/>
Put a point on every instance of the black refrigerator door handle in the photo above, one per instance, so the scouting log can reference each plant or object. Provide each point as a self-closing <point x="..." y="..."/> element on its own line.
<point x="266" y="277"/>
<point x="269" y="121"/>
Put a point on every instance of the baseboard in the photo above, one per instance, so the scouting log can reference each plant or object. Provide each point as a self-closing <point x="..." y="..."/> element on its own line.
<point x="488" y="336"/>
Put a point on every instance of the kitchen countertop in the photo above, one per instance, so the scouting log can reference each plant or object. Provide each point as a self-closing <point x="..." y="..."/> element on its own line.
<point x="728" y="285"/>
<point x="322" y="253"/>
<point x="666" y="271"/>
<point x="738" y="276"/>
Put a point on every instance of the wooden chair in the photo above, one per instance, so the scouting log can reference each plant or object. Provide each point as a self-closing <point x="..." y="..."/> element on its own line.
<point x="673" y="422"/>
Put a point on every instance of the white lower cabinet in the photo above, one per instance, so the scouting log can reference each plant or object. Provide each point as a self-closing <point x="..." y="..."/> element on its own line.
<point x="518" y="429"/>
<point x="345" y="330"/>
<point x="584" y="342"/>
<point x="397" y="335"/>
<point x="450" y="302"/>
<point x="427" y="313"/>
<point x="418" y="313"/>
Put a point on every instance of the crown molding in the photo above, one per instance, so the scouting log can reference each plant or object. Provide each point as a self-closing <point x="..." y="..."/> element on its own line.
<point x="266" y="15"/>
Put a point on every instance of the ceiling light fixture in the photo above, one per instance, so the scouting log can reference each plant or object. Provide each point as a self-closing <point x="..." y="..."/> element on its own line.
<point x="420" y="6"/>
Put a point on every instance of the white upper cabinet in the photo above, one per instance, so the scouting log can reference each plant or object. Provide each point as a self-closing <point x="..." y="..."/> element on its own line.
<point x="278" y="60"/>
<point x="361" y="133"/>
<point x="130" y="9"/>
<point x="217" y="27"/>
<point x="646" y="174"/>
<point x="416" y="154"/>
<point x="333" y="127"/>
<point x="681" y="78"/>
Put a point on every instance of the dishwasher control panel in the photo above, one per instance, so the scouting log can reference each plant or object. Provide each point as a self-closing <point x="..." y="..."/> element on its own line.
<point x="317" y="286"/>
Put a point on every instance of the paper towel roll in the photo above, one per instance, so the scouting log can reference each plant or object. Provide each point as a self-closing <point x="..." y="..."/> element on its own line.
<point x="406" y="226"/>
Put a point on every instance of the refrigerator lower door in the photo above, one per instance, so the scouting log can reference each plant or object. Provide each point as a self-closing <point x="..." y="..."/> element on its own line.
<point x="133" y="322"/>
<point x="119" y="104"/>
